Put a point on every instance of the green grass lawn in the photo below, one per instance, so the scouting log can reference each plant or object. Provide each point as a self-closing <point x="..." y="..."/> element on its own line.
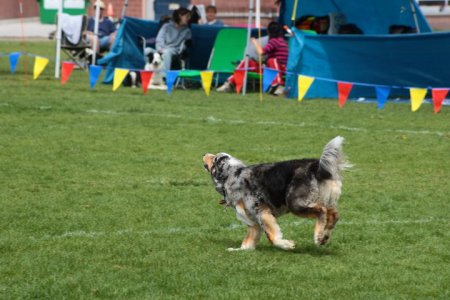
<point x="103" y="194"/>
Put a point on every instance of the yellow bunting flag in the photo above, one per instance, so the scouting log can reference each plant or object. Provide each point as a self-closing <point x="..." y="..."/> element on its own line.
<point x="304" y="83"/>
<point x="119" y="76"/>
<point x="417" y="96"/>
<point x="39" y="65"/>
<point x="207" y="77"/>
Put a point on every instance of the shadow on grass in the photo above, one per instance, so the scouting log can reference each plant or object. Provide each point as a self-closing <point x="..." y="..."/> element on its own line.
<point x="309" y="249"/>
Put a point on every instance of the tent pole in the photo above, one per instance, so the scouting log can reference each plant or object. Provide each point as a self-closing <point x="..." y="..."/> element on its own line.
<point x="124" y="9"/>
<point x="249" y="29"/>
<point x="258" y="24"/>
<point x="258" y="14"/>
<point x="414" y="13"/>
<point x="294" y="12"/>
<point x="58" y="39"/>
<point x="96" y="41"/>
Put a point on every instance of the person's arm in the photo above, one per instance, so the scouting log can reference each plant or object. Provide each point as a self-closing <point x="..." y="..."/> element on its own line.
<point x="160" y="38"/>
<point x="112" y="27"/>
<point x="258" y="48"/>
<point x="90" y="25"/>
<point x="189" y="35"/>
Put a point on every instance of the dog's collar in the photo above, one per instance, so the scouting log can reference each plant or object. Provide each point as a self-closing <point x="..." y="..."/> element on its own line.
<point x="225" y="201"/>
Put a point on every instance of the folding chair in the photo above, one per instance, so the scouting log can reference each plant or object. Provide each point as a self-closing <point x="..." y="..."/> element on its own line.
<point x="73" y="42"/>
<point x="229" y="49"/>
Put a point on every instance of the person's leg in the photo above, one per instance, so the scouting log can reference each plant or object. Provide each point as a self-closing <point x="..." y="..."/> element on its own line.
<point x="167" y="55"/>
<point x="112" y="38"/>
<point x="228" y="86"/>
<point x="104" y="43"/>
<point x="253" y="66"/>
<point x="91" y="38"/>
<point x="273" y="64"/>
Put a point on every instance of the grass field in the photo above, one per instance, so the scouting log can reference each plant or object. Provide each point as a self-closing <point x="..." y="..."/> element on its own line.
<point x="103" y="195"/>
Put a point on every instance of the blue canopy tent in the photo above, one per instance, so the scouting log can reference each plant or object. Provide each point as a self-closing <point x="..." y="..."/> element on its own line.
<point x="127" y="50"/>
<point x="375" y="58"/>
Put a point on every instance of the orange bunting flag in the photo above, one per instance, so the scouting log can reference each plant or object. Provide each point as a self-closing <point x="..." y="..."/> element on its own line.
<point x="206" y="77"/>
<point x="438" y="97"/>
<point x="119" y="76"/>
<point x="239" y="79"/>
<point x="304" y="83"/>
<point x="110" y="10"/>
<point x="344" y="89"/>
<point x="417" y="96"/>
<point x="67" y="68"/>
<point x="39" y="65"/>
<point x="146" y="76"/>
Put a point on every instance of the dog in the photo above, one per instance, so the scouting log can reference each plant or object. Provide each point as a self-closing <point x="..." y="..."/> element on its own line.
<point x="153" y="63"/>
<point x="260" y="193"/>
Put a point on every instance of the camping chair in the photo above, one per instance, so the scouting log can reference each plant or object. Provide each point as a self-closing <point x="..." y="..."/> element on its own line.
<point x="229" y="49"/>
<point x="73" y="42"/>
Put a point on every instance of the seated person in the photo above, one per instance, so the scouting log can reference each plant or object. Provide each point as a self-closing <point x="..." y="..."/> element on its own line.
<point x="211" y="12"/>
<point x="276" y="51"/>
<point x="172" y="37"/>
<point x="106" y="30"/>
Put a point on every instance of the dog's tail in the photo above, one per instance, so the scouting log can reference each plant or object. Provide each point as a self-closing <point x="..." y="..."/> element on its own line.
<point x="333" y="160"/>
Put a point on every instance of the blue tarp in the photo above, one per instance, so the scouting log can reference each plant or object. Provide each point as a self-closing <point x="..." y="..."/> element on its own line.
<point x="127" y="51"/>
<point x="410" y="60"/>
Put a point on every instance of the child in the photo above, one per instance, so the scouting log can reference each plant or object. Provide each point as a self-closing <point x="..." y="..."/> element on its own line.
<point x="276" y="51"/>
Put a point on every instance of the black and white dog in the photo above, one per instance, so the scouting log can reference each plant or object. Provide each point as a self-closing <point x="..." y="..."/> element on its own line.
<point x="153" y="63"/>
<point x="260" y="193"/>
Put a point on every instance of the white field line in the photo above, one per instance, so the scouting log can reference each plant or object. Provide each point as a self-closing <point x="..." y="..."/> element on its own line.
<point x="212" y="119"/>
<point x="234" y="226"/>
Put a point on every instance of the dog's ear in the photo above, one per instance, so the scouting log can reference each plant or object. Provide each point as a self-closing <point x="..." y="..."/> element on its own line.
<point x="150" y="57"/>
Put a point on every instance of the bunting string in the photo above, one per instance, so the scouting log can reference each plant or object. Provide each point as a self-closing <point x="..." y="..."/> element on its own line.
<point x="417" y="94"/>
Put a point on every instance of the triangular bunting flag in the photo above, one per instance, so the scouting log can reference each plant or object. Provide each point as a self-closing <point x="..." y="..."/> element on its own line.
<point x="382" y="95"/>
<point x="344" y="89"/>
<point x="171" y="76"/>
<point x="66" y="71"/>
<point x="119" y="76"/>
<point x="13" y="59"/>
<point x="94" y="74"/>
<point x="146" y="76"/>
<point x="268" y="77"/>
<point x="438" y="97"/>
<point x="206" y="77"/>
<point x="417" y="96"/>
<point x="304" y="83"/>
<point x="39" y="65"/>
<point x="239" y="79"/>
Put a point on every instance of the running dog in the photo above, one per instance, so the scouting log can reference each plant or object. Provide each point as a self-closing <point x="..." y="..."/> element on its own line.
<point x="260" y="193"/>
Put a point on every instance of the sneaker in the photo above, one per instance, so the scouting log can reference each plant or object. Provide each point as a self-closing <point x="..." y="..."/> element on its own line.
<point x="279" y="91"/>
<point x="227" y="87"/>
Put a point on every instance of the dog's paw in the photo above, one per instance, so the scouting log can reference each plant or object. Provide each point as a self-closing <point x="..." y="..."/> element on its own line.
<point x="240" y="249"/>
<point x="322" y="240"/>
<point x="285" y="244"/>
